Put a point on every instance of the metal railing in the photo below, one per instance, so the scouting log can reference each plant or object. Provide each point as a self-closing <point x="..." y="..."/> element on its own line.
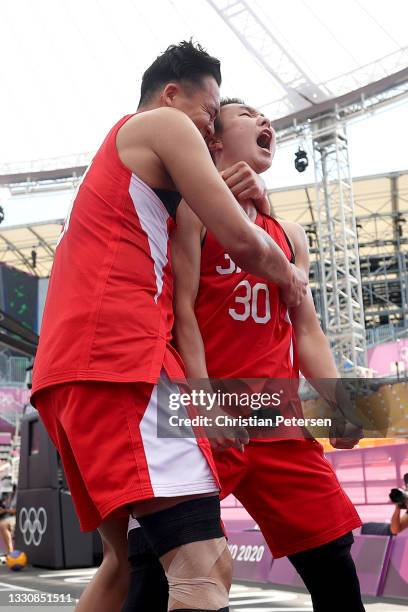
<point x="385" y="333"/>
<point x="13" y="370"/>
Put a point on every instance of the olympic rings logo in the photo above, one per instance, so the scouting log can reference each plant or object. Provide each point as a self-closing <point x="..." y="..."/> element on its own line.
<point x="33" y="525"/>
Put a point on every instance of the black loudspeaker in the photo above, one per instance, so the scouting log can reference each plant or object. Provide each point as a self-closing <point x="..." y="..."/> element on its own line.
<point x="38" y="527"/>
<point x="78" y="546"/>
<point x="47" y="528"/>
<point x="38" y="456"/>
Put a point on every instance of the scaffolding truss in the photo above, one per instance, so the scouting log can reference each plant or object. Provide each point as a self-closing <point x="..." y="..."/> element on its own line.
<point x="339" y="266"/>
<point x="381" y="212"/>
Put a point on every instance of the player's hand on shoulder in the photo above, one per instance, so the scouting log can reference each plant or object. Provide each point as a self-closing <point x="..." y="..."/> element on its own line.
<point x="246" y="184"/>
<point x="296" y="289"/>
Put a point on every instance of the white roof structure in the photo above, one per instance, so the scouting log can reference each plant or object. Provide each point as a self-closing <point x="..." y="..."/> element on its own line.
<point x="71" y="68"/>
<point x="373" y="200"/>
<point x="18" y="242"/>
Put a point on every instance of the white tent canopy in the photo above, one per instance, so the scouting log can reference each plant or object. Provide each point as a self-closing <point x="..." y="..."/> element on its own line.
<point x="70" y="68"/>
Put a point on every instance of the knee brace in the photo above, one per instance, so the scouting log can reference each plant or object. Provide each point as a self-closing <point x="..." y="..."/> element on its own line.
<point x="195" y="610"/>
<point x="198" y="575"/>
<point x="190" y="542"/>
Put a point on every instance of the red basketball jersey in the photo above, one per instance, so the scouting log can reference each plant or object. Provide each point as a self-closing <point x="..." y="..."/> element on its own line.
<point x="244" y="323"/>
<point x="108" y="313"/>
<point x="246" y="327"/>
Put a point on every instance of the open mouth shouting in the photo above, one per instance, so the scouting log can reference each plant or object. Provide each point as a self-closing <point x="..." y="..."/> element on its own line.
<point x="264" y="139"/>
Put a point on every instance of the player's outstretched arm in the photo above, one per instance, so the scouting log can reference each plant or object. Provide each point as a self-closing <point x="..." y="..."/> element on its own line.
<point x="176" y="143"/>
<point x="316" y="361"/>
<point x="315" y="357"/>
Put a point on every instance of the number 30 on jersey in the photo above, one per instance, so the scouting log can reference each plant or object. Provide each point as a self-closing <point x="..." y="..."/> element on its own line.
<point x="248" y="304"/>
<point x="249" y="298"/>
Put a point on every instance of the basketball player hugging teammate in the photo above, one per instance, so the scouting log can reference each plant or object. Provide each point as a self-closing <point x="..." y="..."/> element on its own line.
<point x="220" y="334"/>
<point x="105" y="361"/>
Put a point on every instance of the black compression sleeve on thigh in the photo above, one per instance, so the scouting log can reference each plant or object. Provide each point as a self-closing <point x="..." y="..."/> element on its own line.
<point x="148" y="587"/>
<point x="138" y="543"/>
<point x="191" y="521"/>
<point x="330" y="576"/>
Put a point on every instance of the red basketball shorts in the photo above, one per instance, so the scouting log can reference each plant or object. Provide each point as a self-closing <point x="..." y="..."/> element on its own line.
<point x="106" y="435"/>
<point x="290" y="490"/>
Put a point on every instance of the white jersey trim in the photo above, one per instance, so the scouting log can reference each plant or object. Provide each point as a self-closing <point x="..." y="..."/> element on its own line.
<point x="153" y="219"/>
<point x="291" y="349"/>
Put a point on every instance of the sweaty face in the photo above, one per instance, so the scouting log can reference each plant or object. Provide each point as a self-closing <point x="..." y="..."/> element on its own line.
<point x="201" y="104"/>
<point x="247" y="136"/>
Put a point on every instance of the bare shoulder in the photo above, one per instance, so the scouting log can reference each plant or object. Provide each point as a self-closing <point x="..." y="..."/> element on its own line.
<point x="292" y="228"/>
<point x="298" y="238"/>
<point x="296" y="234"/>
<point x="141" y="139"/>
<point x="153" y="123"/>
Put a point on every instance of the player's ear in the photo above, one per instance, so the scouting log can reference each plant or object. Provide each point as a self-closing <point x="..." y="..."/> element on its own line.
<point x="169" y="93"/>
<point x="215" y="144"/>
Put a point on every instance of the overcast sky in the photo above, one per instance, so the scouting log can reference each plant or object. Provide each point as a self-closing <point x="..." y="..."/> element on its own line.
<point x="71" y="68"/>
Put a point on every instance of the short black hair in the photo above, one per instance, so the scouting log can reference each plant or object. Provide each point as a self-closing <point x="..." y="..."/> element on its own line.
<point x="186" y="61"/>
<point x="225" y="102"/>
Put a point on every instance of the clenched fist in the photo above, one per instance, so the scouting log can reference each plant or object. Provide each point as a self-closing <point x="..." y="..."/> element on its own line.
<point x="246" y="184"/>
<point x="295" y="290"/>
